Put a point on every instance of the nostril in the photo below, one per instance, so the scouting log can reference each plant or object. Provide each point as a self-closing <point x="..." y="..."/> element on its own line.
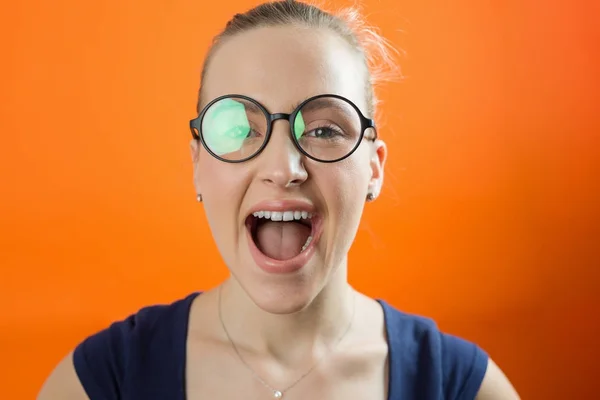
<point x="282" y="168"/>
<point x="284" y="181"/>
<point x="295" y="182"/>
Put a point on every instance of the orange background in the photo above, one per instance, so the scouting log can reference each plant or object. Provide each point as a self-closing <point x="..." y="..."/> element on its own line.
<point x="489" y="221"/>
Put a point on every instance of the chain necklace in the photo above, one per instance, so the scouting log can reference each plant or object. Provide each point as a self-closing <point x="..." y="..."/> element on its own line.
<point x="278" y="394"/>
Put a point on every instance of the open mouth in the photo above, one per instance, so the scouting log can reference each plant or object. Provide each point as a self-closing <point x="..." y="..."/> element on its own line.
<point x="281" y="235"/>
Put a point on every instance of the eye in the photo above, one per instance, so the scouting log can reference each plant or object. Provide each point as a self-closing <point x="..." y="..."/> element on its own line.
<point x="235" y="132"/>
<point x="253" y="133"/>
<point x="324" y="132"/>
<point x="241" y="132"/>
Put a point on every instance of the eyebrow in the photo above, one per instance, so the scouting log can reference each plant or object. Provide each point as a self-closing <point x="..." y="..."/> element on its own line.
<point x="313" y="104"/>
<point x="248" y="106"/>
<point x="328" y="102"/>
<point x="310" y="106"/>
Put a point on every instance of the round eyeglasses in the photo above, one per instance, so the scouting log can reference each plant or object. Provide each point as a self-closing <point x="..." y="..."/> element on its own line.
<point x="325" y="128"/>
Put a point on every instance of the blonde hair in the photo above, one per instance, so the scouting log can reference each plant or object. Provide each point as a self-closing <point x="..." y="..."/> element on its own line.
<point x="377" y="53"/>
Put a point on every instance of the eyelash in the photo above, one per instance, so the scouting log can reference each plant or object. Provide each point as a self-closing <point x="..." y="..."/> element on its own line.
<point x="333" y="128"/>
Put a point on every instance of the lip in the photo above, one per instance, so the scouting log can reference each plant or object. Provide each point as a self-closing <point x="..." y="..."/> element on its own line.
<point x="282" y="205"/>
<point x="271" y="265"/>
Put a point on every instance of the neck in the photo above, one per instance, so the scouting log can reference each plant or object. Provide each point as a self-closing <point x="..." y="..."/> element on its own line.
<point x="288" y="338"/>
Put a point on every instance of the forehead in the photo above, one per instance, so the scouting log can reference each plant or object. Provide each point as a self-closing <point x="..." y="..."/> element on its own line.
<point x="281" y="66"/>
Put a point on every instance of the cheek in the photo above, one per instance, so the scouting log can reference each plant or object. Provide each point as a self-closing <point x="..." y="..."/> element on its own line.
<point x="223" y="186"/>
<point x="344" y="186"/>
<point x="220" y="180"/>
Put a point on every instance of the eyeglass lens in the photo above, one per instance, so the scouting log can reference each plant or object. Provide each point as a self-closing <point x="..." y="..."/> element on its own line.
<point x="326" y="128"/>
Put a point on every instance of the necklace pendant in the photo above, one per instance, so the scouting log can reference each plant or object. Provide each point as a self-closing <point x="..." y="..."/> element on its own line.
<point x="277" y="394"/>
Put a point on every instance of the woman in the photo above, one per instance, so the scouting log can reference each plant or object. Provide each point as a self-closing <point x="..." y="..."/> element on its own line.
<point x="285" y="155"/>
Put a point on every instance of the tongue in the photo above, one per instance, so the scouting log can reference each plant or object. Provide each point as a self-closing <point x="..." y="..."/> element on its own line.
<point x="281" y="240"/>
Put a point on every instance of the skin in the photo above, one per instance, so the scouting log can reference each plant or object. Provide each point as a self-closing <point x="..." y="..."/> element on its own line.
<point x="309" y="67"/>
<point x="285" y="324"/>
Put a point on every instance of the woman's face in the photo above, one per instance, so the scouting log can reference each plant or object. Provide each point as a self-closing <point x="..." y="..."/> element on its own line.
<point x="280" y="67"/>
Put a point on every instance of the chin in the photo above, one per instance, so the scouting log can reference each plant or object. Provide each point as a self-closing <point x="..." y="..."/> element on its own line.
<point x="283" y="298"/>
<point x="281" y="293"/>
<point x="281" y="306"/>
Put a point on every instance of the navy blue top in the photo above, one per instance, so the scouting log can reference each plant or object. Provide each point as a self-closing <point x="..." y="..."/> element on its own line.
<point x="143" y="357"/>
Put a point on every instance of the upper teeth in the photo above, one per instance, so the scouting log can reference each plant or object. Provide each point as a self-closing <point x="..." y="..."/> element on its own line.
<point x="283" y="215"/>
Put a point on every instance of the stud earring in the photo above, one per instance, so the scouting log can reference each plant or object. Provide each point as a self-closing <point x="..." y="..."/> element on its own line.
<point x="370" y="197"/>
<point x="199" y="198"/>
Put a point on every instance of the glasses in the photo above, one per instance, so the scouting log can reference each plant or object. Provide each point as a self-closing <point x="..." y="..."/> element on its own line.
<point x="326" y="128"/>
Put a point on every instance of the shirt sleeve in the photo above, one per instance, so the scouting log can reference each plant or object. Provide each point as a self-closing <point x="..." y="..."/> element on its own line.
<point x="100" y="360"/>
<point x="464" y="365"/>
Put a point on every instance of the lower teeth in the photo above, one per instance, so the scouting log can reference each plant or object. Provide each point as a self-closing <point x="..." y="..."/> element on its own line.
<point x="308" y="240"/>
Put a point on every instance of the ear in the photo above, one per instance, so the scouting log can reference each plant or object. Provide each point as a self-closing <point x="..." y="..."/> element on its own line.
<point x="195" y="153"/>
<point x="377" y="162"/>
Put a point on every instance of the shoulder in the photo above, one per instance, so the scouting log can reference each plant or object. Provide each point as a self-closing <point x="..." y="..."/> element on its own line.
<point x="423" y="356"/>
<point x="495" y="385"/>
<point x="105" y="362"/>
<point x="63" y="383"/>
<point x="137" y="329"/>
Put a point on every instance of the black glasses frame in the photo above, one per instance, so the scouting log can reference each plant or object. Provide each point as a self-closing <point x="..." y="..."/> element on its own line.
<point x="196" y="126"/>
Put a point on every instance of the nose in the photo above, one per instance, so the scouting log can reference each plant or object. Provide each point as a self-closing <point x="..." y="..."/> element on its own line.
<point x="280" y="162"/>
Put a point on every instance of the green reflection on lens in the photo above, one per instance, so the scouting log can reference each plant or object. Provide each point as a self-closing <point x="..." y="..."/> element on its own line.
<point x="226" y="126"/>
<point x="299" y="125"/>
